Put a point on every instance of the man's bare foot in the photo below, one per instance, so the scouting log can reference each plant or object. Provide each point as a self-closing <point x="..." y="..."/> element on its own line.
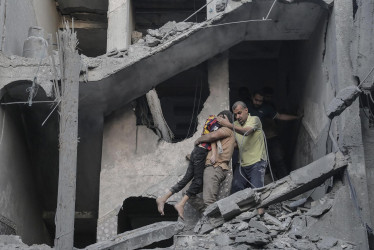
<point x="260" y="211"/>
<point x="160" y="205"/>
<point x="180" y="210"/>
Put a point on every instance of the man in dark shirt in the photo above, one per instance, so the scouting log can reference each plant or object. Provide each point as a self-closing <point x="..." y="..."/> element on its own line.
<point x="267" y="115"/>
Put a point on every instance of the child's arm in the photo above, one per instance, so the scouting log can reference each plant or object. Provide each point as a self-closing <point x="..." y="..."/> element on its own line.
<point x="213" y="158"/>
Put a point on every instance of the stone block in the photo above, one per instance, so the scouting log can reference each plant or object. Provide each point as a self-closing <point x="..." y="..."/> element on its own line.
<point x="258" y="239"/>
<point x="140" y="237"/>
<point x="228" y="209"/>
<point x="151" y="41"/>
<point x="343" y="100"/>
<point x="258" y="226"/>
<point x="327" y="243"/>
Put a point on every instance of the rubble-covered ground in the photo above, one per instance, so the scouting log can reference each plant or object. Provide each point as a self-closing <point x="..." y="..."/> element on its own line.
<point x="278" y="228"/>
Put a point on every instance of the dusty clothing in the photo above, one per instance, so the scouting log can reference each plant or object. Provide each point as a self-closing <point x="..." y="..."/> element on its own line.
<point x="251" y="147"/>
<point x="213" y="177"/>
<point x="215" y="174"/>
<point x="194" y="172"/>
<point x="227" y="143"/>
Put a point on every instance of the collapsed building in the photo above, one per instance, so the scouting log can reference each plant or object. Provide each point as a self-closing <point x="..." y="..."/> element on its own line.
<point x="150" y="73"/>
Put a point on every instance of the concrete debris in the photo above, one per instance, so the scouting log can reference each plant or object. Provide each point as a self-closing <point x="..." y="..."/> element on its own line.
<point x="141" y="237"/>
<point x="234" y="204"/>
<point x="257" y="239"/>
<point x="303" y="179"/>
<point x="169" y="29"/>
<point x="271" y="220"/>
<point x="343" y="100"/>
<point x="11" y="242"/>
<point x="327" y="243"/>
<point x="304" y="245"/>
<point x="321" y="208"/>
<point x="152" y="41"/>
<point x="259" y="226"/>
<point x="221" y="5"/>
<point x="298" y="182"/>
<point x="136" y="36"/>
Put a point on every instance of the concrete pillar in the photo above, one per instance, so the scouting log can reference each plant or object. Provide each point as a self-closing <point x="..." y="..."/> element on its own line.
<point x="120" y="24"/>
<point x="2" y="23"/>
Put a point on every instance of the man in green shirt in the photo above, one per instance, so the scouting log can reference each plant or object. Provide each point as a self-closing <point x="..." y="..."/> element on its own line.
<point x="250" y="140"/>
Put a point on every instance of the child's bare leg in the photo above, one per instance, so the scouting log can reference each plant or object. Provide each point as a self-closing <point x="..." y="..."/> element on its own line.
<point x="160" y="201"/>
<point x="180" y="206"/>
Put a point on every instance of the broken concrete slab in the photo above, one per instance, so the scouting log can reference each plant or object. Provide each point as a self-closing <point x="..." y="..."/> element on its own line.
<point x="258" y="226"/>
<point x="151" y="41"/>
<point x="303" y="179"/>
<point x="258" y="239"/>
<point x="234" y="204"/>
<point x="140" y="237"/>
<point x="304" y="245"/>
<point x="343" y="100"/>
<point x="321" y="208"/>
<point x="272" y="220"/>
<point x="327" y="243"/>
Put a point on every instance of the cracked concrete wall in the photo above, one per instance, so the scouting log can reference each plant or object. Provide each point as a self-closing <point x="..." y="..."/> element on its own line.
<point x="16" y="16"/>
<point x="135" y="162"/>
<point x="325" y="67"/>
<point x="18" y="199"/>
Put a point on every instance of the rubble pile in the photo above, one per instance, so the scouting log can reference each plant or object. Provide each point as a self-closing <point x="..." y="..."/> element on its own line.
<point x="11" y="242"/>
<point x="279" y="228"/>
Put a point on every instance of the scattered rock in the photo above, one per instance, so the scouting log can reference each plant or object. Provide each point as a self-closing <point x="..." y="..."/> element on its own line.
<point x="151" y="41"/>
<point x="259" y="226"/>
<point x="258" y="239"/>
<point x="221" y="5"/>
<point x="136" y="36"/>
<point x="222" y="240"/>
<point x="304" y="245"/>
<point x="181" y="26"/>
<point x="327" y="243"/>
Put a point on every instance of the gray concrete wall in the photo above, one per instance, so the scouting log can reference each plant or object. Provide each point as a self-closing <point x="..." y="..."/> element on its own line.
<point x="324" y="67"/>
<point x="18" y="199"/>
<point x="16" y="16"/>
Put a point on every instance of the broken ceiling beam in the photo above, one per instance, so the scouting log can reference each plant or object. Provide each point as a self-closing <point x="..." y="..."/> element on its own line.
<point x="303" y="179"/>
<point x="140" y="237"/>
<point x="159" y="121"/>
<point x="342" y="101"/>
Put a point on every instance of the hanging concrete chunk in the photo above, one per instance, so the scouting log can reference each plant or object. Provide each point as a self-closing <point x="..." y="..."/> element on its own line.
<point x="303" y="179"/>
<point x="140" y="237"/>
<point x="342" y="101"/>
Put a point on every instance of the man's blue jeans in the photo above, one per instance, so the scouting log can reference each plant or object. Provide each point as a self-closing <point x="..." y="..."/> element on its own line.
<point x="249" y="176"/>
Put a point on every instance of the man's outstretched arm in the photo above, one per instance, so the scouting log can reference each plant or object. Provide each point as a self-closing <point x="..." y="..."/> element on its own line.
<point x="212" y="136"/>
<point x="241" y="130"/>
